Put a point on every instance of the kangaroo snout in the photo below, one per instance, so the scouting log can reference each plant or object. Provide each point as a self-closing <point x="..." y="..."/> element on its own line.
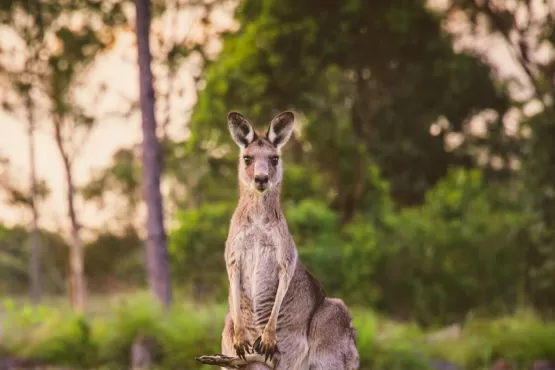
<point x="261" y="180"/>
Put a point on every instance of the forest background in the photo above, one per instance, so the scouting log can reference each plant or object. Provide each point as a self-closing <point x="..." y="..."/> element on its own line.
<point x="419" y="183"/>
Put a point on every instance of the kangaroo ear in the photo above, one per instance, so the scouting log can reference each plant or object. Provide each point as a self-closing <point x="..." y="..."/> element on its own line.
<point x="241" y="129"/>
<point x="281" y="128"/>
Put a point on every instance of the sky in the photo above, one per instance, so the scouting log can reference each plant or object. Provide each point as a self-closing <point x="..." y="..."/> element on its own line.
<point x="118" y="70"/>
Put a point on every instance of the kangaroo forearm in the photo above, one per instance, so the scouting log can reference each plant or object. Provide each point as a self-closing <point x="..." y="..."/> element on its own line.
<point x="285" y="277"/>
<point x="235" y="308"/>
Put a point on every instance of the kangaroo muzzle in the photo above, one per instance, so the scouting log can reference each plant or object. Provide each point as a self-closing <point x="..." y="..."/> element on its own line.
<point x="261" y="176"/>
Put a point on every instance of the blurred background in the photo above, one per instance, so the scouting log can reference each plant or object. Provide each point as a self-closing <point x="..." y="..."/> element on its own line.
<point x="419" y="183"/>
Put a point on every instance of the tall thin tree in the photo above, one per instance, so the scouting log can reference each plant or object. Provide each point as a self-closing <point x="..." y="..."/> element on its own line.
<point x="34" y="260"/>
<point x="157" y="252"/>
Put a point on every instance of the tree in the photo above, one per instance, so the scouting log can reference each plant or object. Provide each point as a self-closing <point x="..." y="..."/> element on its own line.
<point x="527" y="30"/>
<point x="121" y="178"/>
<point x="19" y="101"/>
<point x="171" y="51"/>
<point x="34" y="264"/>
<point x="51" y="76"/>
<point x="157" y="250"/>
<point x="174" y="50"/>
<point x="29" y="200"/>
<point x="37" y="190"/>
<point x="384" y="87"/>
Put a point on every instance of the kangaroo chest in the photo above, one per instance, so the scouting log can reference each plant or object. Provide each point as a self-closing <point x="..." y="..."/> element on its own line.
<point x="259" y="268"/>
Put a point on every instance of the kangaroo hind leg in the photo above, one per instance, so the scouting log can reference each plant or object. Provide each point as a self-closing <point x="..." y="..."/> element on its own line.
<point x="332" y="338"/>
<point x="293" y="348"/>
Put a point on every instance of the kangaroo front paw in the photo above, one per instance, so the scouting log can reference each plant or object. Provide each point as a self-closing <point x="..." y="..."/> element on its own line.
<point x="241" y="345"/>
<point x="266" y="344"/>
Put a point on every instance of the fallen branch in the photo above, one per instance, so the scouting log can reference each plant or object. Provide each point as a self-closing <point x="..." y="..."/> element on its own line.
<point x="235" y="362"/>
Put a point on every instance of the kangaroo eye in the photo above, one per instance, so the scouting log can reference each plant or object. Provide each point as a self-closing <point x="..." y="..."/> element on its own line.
<point x="247" y="159"/>
<point x="274" y="160"/>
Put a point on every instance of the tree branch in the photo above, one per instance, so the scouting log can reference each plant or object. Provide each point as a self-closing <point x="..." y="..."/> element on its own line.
<point x="235" y="362"/>
<point x="516" y="50"/>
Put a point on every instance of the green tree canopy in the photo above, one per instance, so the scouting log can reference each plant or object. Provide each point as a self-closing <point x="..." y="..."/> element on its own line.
<point x="370" y="78"/>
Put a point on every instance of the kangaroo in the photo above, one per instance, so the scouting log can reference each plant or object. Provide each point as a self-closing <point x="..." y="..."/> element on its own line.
<point x="279" y="316"/>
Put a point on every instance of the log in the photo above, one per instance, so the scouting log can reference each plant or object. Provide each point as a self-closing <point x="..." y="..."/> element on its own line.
<point x="235" y="362"/>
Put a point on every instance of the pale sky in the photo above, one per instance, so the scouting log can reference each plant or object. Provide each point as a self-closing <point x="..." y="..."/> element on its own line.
<point x="105" y="139"/>
<point x="118" y="70"/>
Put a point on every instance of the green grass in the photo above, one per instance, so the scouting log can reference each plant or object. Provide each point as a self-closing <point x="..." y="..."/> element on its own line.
<point x="519" y="339"/>
<point x="102" y="338"/>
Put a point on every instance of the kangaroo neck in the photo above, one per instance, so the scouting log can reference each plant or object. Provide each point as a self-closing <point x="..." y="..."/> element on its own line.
<point x="260" y="206"/>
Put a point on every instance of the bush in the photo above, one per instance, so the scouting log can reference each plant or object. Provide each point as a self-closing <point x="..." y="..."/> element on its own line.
<point x="111" y="259"/>
<point x="316" y="232"/>
<point x="519" y="340"/>
<point x="60" y="338"/>
<point x="197" y="249"/>
<point x="468" y="248"/>
<point x="14" y="257"/>
<point x="461" y="251"/>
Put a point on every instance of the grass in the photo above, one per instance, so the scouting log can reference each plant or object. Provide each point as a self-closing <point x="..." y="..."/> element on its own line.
<point x="519" y="339"/>
<point x="102" y="338"/>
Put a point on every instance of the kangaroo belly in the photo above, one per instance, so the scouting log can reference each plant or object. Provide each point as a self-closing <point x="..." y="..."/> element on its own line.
<point x="259" y="278"/>
<point x="264" y="287"/>
<point x="260" y="272"/>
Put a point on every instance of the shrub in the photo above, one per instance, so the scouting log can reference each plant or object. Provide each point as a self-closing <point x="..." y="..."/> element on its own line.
<point x="519" y="340"/>
<point x="104" y="340"/>
<point x="458" y="252"/>
<point x="197" y="247"/>
<point x="60" y="338"/>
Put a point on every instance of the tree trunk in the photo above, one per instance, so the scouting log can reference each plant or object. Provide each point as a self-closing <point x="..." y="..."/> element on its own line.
<point x="34" y="257"/>
<point x="157" y="253"/>
<point x="77" y="282"/>
<point x="76" y="253"/>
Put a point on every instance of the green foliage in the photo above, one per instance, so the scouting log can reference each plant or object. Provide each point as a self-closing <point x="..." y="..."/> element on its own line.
<point x="311" y="221"/>
<point x="385" y="212"/>
<point x="456" y="245"/>
<point x="121" y="177"/>
<point x="181" y="333"/>
<point x="113" y="262"/>
<point x="197" y="247"/>
<point x="111" y="259"/>
<point x="468" y="248"/>
<point x="519" y="340"/>
<point x="363" y="254"/>
<point x="356" y="71"/>
<point x="14" y="255"/>
<point x="316" y="230"/>
<point x="462" y="250"/>
<point x="103" y="340"/>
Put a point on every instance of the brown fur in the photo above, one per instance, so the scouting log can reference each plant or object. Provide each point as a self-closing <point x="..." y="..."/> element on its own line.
<point x="272" y="296"/>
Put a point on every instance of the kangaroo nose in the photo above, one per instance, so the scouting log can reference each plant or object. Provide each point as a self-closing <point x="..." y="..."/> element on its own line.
<point x="261" y="179"/>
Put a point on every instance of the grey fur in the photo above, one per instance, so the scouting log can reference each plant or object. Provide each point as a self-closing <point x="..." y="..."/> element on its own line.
<point x="272" y="295"/>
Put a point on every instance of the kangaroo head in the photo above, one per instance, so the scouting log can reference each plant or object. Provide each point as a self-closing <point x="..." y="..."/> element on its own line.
<point x="260" y="167"/>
